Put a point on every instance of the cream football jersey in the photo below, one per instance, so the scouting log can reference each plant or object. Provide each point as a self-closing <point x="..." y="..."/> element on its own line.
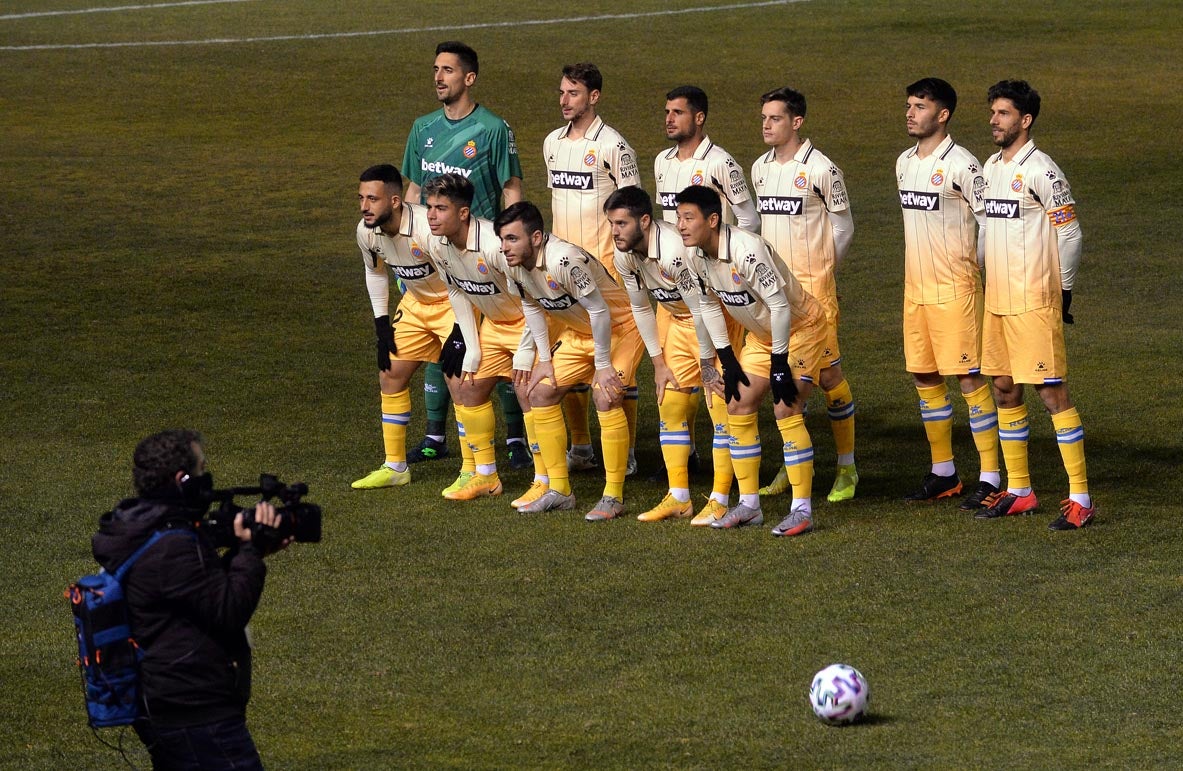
<point x="478" y="269"/>
<point x="562" y="274"/>
<point x="794" y="200"/>
<point x="711" y="166"/>
<point x="745" y="275"/>
<point x="939" y="196"/>
<point x="1025" y="201"/>
<point x="581" y="174"/>
<point x="662" y="272"/>
<point x="406" y="252"/>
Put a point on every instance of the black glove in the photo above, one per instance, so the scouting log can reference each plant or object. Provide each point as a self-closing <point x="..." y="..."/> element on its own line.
<point x="732" y="374"/>
<point x="784" y="388"/>
<point x="1065" y="304"/>
<point x="385" y="341"/>
<point x="452" y="354"/>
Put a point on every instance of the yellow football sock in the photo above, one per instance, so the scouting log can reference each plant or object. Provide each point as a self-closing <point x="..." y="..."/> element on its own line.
<point x="798" y="451"/>
<point x="721" y="446"/>
<point x="1070" y="439"/>
<point x="1013" y="431"/>
<point x="840" y="405"/>
<point x="396" y="414"/>
<point x="630" y="413"/>
<point x="535" y="452"/>
<point x="467" y="459"/>
<point x="674" y="436"/>
<point x="552" y="444"/>
<point x="745" y="452"/>
<point x="983" y="424"/>
<point x="479" y="425"/>
<point x="614" y="446"/>
<point x="575" y="404"/>
<point x="936" y="411"/>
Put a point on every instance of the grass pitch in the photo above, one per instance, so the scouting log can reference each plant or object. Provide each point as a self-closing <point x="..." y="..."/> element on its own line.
<point x="177" y="250"/>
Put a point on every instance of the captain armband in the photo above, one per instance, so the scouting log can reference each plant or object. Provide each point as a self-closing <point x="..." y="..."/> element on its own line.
<point x="1062" y="215"/>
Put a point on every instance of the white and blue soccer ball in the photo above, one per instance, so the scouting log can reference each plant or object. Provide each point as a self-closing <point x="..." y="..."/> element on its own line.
<point x="839" y="694"/>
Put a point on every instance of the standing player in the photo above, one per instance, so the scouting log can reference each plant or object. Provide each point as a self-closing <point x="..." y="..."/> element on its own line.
<point x="805" y="211"/>
<point x="586" y="160"/>
<point x="758" y="290"/>
<point x="940" y="185"/>
<point x="652" y="262"/>
<point x="468" y="253"/>
<point x="466" y="138"/>
<point x="696" y="160"/>
<point x="395" y="233"/>
<point x="563" y="287"/>
<point x="1033" y="246"/>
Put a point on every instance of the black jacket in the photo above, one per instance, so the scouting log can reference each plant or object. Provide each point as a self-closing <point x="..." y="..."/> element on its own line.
<point x="189" y="609"/>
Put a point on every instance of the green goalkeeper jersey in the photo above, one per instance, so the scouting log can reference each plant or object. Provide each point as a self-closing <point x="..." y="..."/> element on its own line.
<point x="480" y="146"/>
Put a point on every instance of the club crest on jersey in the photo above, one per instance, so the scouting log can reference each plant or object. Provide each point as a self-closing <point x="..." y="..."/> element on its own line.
<point x="696" y="178"/>
<point x="800" y="182"/>
<point x="470" y="149"/>
<point x="938" y="177"/>
<point x="590" y="158"/>
<point x="1016" y="184"/>
<point x="481" y="267"/>
<point x="735" y="279"/>
<point x="551" y="282"/>
<point x="416" y="252"/>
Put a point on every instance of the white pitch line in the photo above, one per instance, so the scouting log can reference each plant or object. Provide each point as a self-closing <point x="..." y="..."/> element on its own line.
<point x="35" y="14"/>
<point x="408" y="31"/>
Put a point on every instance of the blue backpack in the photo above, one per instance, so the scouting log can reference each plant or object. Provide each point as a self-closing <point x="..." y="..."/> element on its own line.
<point x="107" y="653"/>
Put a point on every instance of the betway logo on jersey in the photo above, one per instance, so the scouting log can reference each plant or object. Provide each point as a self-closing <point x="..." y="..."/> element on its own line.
<point x="413" y="272"/>
<point x="780" y="204"/>
<point x="1002" y="209"/>
<point x="739" y="299"/>
<point x="557" y="303"/>
<point x="667" y="201"/>
<point x="910" y="199"/>
<point x="570" y="180"/>
<point x="477" y="287"/>
<point x="665" y="295"/>
<point x="439" y="167"/>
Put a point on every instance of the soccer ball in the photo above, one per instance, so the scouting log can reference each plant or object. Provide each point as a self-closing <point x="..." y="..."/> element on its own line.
<point x="839" y="694"/>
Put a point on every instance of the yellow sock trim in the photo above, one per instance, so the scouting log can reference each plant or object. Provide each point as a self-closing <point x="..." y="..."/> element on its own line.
<point x="840" y="405"/>
<point x="745" y="452"/>
<point x="674" y="436"/>
<point x="983" y="423"/>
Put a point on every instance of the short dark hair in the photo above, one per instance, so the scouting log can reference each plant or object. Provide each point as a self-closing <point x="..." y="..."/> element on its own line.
<point x="633" y="198"/>
<point x="694" y="96"/>
<point x="794" y="100"/>
<point x="158" y="458"/>
<point x="936" y="90"/>
<point x="523" y="212"/>
<point x="586" y="73"/>
<point x="467" y="56"/>
<point x="704" y="198"/>
<point x="385" y="173"/>
<point x="1025" y="98"/>
<point x="455" y="187"/>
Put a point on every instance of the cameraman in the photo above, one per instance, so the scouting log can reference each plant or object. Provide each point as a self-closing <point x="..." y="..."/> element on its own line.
<point x="189" y="608"/>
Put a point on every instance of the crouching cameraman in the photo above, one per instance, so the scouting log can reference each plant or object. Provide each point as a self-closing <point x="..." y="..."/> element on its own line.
<point x="188" y="606"/>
